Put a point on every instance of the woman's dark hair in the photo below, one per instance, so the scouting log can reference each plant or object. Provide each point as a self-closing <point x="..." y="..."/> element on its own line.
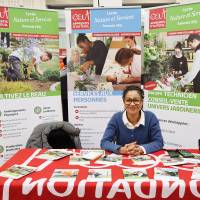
<point x="131" y="37"/>
<point x="178" y="46"/>
<point x="131" y="88"/>
<point x="123" y="54"/>
<point x="82" y="38"/>
<point x="192" y="37"/>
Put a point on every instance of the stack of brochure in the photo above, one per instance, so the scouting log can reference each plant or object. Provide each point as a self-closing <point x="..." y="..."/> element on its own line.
<point x="110" y="159"/>
<point x="78" y="160"/>
<point x="135" y="174"/>
<point x="64" y="174"/>
<point x="196" y="173"/>
<point x="96" y="175"/>
<point x="169" y="174"/>
<point x="54" y="154"/>
<point x="92" y="154"/>
<point x="142" y="160"/>
<point x="195" y="160"/>
<point x="168" y="161"/>
<point x="17" y="171"/>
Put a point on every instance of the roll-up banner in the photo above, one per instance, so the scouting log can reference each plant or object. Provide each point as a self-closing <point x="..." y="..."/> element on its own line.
<point x="100" y="65"/>
<point x="172" y="71"/>
<point x="29" y="75"/>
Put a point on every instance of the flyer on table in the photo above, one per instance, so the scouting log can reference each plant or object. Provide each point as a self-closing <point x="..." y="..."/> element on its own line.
<point x="97" y="73"/>
<point x="171" y="71"/>
<point x="29" y="75"/>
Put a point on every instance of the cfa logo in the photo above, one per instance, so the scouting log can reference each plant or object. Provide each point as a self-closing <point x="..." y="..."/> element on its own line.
<point x="81" y="16"/>
<point x="4" y="22"/>
<point x="158" y="14"/>
<point x="80" y="19"/>
<point x="3" y="13"/>
<point x="157" y="18"/>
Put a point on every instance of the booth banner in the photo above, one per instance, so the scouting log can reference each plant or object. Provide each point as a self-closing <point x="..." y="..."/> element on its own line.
<point x="29" y="75"/>
<point x="171" y="72"/>
<point x="99" y="42"/>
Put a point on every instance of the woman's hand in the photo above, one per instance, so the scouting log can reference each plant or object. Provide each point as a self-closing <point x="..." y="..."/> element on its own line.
<point x="179" y="78"/>
<point x="134" y="149"/>
<point x="86" y="65"/>
<point x="112" y="79"/>
<point x="131" y="149"/>
<point x="123" y="150"/>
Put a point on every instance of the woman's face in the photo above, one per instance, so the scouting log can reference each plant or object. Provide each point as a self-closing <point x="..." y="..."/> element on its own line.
<point x="133" y="102"/>
<point x="193" y="45"/>
<point x="129" y="42"/>
<point x="177" y="52"/>
<point x="84" y="46"/>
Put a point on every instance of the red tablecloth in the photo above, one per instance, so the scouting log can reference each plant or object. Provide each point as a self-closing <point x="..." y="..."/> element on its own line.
<point x="36" y="186"/>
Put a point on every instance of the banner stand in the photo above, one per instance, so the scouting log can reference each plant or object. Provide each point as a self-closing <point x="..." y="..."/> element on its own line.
<point x="170" y="94"/>
<point x="92" y="91"/>
<point x="29" y="75"/>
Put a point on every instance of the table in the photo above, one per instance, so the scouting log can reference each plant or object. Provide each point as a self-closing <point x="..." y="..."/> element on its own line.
<point x="36" y="185"/>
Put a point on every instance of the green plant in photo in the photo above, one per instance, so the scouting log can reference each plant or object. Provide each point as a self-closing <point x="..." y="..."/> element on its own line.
<point x="83" y="85"/>
<point x="58" y="87"/>
<point x="4" y="54"/>
<point x="79" y="72"/>
<point x="48" y="75"/>
<point x="156" y="61"/>
<point x="15" y="87"/>
<point x="52" y="75"/>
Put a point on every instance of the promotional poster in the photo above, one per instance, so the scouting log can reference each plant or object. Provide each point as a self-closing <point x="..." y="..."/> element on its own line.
<point x="171" y="71"/>
<point x="103" y="58"/>
<point x="29" y="75"/>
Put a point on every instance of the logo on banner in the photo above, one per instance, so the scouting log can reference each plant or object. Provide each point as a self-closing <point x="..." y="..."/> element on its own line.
<point x="80" y="19"/>
<point x="150" y="85"/>
<point x="4" y="21"/>
<point x="37" y="110"/>
<point x="157" y="18"/>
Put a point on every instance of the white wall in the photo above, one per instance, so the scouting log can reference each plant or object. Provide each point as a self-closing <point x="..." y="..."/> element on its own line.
<point x="36" y="4"/>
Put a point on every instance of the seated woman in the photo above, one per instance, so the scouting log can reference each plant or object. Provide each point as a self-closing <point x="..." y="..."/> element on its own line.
<point x="133" y="131"/>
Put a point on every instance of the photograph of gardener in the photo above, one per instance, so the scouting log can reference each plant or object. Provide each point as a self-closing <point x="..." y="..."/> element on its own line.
<point x="172" y="61"/>
<point x="29" y="64"/>
<point x="194" y="74"/>
<point x="28" y="58"/>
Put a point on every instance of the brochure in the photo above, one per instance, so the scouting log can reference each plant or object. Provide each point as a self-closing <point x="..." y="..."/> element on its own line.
<point x="169" y="174"/>
<point x="95" y="175"/>
<point x="168" y="161"/>
<point x="142" y="160"/>
<point x="110" y="159"/>
<point x="135" y="174"/>
<point x="54" y="154"/>
<point x="17" y="171"/>
<point x="92" y="154"/>
<point x="195" y="160"/>
<point x="64" y="174"/>
<point x="77" y="160"/>
<point x="196" y="173"/>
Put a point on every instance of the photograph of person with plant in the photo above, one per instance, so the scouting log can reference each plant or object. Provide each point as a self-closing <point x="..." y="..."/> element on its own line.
<point x="170" y="61"/>
<point x="86" y="58"/>
<point x="28" y="64"/>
